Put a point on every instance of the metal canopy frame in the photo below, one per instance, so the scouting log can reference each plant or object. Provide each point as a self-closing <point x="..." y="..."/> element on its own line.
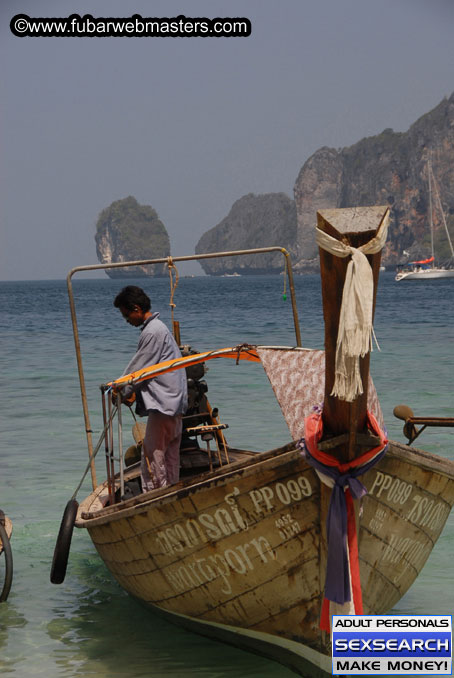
<point x="147" y="262"/>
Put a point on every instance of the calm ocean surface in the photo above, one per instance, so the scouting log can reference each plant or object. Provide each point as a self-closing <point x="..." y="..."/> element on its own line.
<point x="88" y="626"/>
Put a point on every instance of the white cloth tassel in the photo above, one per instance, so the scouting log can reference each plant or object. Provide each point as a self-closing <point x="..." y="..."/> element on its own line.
<point x="354" y="336"/>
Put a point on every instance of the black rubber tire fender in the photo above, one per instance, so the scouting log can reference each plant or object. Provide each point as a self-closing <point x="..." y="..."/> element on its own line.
<point x="6" y="549"/>
<point x="63" y="544"/>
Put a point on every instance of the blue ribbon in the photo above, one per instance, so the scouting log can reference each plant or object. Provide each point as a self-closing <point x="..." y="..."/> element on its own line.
<point x="337" y="582"/>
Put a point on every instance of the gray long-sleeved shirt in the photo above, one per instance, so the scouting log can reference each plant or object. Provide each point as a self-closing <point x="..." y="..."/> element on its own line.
<point x="166" y="393"/>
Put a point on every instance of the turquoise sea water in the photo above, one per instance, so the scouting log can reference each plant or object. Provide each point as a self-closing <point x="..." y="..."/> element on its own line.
<point x="88" y="626"/>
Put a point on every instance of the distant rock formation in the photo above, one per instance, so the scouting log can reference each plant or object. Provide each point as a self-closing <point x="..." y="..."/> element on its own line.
<point x="254" y="221"/>
<point x="127" y="231"/>
<point x="387" y="169"/>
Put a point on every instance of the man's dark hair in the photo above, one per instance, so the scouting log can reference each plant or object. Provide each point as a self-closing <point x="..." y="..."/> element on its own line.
<point x="131" y="296"/>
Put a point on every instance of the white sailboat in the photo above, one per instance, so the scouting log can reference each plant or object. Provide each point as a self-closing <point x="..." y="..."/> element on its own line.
<point x="426" y="269"/>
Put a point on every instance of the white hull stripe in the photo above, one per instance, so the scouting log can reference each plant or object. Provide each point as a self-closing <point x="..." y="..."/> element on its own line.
<point x="323" y="661"/>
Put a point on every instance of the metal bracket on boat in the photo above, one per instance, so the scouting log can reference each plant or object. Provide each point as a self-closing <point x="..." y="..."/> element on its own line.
<point x="410" y="431"/>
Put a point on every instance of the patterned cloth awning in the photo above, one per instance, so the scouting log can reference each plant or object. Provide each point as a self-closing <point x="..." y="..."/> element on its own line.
<point x="298" y="380"/>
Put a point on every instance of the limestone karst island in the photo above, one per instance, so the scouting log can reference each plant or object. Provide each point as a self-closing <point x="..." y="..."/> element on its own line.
<point x="390" y="168"/>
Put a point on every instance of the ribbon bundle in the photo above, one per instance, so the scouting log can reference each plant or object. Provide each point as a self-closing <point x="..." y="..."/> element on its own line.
<point x="342" y="584"/>
<point x="354" y="338"/>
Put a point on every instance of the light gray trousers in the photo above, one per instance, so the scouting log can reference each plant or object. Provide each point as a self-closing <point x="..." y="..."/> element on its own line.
<point x="160" y="464"/>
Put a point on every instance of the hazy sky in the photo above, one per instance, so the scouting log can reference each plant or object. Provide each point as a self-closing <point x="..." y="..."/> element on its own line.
<point x="189" y="125"/>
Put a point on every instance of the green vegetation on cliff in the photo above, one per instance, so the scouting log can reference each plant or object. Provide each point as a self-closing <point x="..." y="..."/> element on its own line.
<point x="128" y="231"/>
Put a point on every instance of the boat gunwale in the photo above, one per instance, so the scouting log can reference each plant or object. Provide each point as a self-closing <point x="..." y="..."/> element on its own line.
<point x="425" y="460"/>
<point x="430" y="461"/>
<point x="182" y="488"/>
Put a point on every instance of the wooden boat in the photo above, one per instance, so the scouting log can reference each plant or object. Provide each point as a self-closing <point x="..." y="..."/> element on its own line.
<point x="6" y="530"/>
<point x="239" y="549"/>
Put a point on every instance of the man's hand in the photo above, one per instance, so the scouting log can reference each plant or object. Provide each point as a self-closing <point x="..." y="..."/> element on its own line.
<point x="126" y="400"/>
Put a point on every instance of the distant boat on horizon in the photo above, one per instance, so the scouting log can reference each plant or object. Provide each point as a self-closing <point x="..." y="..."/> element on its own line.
<point x="421" y="270"/>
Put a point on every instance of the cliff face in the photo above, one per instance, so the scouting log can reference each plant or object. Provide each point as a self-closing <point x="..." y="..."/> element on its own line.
<point x="127" y="231"/>
<point x="254" y="221"/>
<point x="387" y="169"/>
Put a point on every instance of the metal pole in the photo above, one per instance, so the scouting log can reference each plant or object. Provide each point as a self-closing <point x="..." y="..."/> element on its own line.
<point x="293" y="297"/>
<point x="120" y="449"/>
<point x="109" y="463"/>
<point x="209" y="255"/>
<point x="429" y="170"/>
<point x="83" y="391"/>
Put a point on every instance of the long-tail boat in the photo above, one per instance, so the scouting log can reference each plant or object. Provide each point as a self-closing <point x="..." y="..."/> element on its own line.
<point x="259" y="549"/>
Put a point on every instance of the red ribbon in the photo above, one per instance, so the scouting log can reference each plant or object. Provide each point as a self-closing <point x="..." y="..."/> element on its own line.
<point x="313" y="434"/>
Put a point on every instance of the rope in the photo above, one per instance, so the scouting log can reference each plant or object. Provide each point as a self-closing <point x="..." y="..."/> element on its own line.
<point x="173" y="283"/>
<point x="354" y="337"/>
<point x="239" y="349"/>
<point x="133" y="415"/>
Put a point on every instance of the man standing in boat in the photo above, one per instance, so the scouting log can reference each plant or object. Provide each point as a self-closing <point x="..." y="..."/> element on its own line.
<point x="163" y="399"/>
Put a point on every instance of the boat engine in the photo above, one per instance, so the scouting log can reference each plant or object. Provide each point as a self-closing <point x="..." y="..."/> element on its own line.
<point x="197" y="412"/>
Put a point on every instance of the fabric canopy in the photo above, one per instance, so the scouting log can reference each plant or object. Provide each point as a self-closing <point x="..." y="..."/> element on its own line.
<point x="297" y="376"/>
<point x="242" y="352"/>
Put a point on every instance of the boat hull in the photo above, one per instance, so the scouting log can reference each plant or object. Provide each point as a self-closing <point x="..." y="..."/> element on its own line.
<point x="426" y="274"/>
<point x="242" y="551"/>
